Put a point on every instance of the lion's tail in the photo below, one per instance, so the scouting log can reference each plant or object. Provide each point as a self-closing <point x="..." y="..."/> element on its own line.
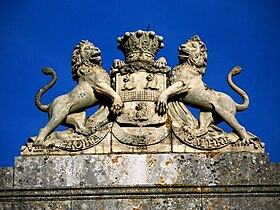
<point x="46" y="71"/>
<point x="239" y="107"/>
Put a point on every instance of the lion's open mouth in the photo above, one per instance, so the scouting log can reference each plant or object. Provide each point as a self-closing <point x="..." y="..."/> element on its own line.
<point x="183" y="54"/>
<point x="95" y="56"/>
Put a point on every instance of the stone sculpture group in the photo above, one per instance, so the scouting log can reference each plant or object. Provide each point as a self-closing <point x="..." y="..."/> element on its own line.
<point x="142" y="103"/>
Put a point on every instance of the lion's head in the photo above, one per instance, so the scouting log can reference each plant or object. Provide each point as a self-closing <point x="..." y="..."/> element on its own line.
<point x="193" y="53"/>
<point x="85" y="55"/>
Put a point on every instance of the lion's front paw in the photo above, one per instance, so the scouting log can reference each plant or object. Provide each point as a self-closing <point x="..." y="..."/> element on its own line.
<point x="117" y="107"/>
<point x="161" y="105"/>
<point x="160" y="63"/>
<point x="118" y="64"/>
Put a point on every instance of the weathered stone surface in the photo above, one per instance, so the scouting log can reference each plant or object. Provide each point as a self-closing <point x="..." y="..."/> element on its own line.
<point x="149" y="203"/>
<point x="145" y="169"/>
<point x="35" y="205"/>
<point x="242" y="202"/>
<point x="143" y="181"/>
<point x="6" y="177"/>
<point x="144" y="197"/>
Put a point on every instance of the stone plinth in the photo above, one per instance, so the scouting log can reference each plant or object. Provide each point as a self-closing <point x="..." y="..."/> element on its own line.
<point x="142" y="181"/>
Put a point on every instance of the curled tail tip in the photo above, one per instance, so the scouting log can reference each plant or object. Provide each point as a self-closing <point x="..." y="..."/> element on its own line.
<point x="47" y="70"/>
<point x="236" y="70"/>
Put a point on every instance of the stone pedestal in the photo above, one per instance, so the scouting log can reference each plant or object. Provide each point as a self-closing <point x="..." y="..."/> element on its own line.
<point x="142" y="181"/>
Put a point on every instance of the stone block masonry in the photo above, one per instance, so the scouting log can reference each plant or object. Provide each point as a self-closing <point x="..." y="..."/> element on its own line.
<point x="142" y="181"/>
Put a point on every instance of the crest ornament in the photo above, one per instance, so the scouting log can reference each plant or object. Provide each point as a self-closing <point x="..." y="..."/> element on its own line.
<point x="140" y="45"/>
<point x="142" y="107"/>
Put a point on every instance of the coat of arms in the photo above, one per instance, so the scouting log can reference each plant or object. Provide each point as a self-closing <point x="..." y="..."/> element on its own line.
<point x="139" y="81"/>
<point x="141" y="102"/>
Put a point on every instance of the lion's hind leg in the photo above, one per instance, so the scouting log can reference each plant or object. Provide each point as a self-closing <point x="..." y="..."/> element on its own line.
<point x="205" y="119"/>
<point x="78" y="120"/>
<point x="230" y="119"/>
<point x="57" y="113"/>
<point x="50" y="126"/>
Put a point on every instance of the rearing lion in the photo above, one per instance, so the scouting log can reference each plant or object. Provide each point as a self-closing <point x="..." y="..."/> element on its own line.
<point x="92" y="79"/>
<point x="186" y="80"/>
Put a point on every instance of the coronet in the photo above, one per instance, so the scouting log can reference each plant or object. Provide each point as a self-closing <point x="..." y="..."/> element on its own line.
<point x="140" y="45"/>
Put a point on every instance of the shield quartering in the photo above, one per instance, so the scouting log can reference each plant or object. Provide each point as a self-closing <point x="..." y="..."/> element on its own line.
<point x="139" y="97"/>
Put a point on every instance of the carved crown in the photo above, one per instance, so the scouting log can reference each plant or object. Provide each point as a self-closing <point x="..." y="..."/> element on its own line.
<point x="140" y="45"/>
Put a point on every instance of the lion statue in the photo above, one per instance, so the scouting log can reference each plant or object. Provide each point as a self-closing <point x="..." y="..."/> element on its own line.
<point x="91" y="79"/>
<point x="186" y="83"/>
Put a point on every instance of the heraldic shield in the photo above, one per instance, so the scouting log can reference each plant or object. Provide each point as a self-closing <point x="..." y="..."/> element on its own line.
<point x="139" y="97"/>
<point x="139" y="81"/>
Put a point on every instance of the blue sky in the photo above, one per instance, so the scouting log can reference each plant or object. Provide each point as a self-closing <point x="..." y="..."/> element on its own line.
<point x="35" y="34"/>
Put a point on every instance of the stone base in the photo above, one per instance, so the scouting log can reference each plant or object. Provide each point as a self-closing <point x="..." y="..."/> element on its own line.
<point x="144" y="197"/>
<point x="169" y="144"/>
<point x="142" y="181"/>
